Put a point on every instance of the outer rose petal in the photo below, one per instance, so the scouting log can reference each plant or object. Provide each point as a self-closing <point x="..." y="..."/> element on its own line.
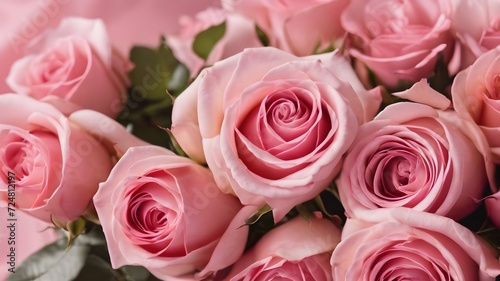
<point x="316" y="237"/>
<point x="197" y="201"/>
<point x="461" y="253"/>
<point x="227" y="92"/>
<point x="73" y="62"/>
<point x="71" y="155"/>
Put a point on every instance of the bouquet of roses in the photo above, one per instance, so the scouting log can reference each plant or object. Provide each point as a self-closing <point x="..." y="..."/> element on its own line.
<point x="259" y="140"/>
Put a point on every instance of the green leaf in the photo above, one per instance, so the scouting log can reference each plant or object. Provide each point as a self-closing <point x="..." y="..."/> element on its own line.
<point x="264" y="39"/>
<point x="257" y="215"/>
<point x="153" y="71"/>
<point x="53" y="262"/>
<point x="97" y="269"/>
<point x="75" y="228"/>
<point x="205" y="41"/>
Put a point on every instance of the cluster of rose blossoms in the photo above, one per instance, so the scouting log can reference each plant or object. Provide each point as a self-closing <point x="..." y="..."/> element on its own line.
<point x="346" y="96"/>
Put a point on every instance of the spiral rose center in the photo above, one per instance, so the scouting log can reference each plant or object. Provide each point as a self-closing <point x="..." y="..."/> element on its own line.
<point x="288" y="124"/>
<point x="35" y="157"/>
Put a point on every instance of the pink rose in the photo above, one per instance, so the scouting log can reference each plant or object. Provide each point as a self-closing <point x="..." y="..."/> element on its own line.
<point x="477" y="25"/>
<point x="476" y="97"/>
<point x="399" y="40"/>
<point x="74" y="62"/>
<point x="414" y="156"/>
<point x="296" y="250"/>
<point x="21" y="21"/>
<point x="273" y="127"/>
<point x="240" y="34"/>
<point x="404" y="244"/>
<point x="298" y="27"/>
<point x="164" y="212"/>
<point x="56" y="165"/>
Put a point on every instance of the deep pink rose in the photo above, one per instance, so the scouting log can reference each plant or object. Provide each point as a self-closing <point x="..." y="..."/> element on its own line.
<point x="412" y="155"/>
<point x="404" y="244"/>
<point x="240" y="34"/>
<point x="298" y="27"/>
<point x="74" y="62"/>
<point x="399" y="40"/>
<point x="164" y="212"/>
<point x="477" y="26"/>
<point x="57" y="165"/>
<point x="273" y="127"/>
<point x="297" y="250"/>
<point x="476" y="97"/>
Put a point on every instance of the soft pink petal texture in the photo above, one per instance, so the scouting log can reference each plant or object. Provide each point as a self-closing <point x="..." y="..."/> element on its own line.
<point x="421" y="92"/>
<point x="185" y="126"/>
<point x="189" y="201"/>
<point x="429" y="238"/>
<point x="413" y="156"/>
<point x="232" y="244"/>
<point x="252" y="152"/>
<point x="240" y="34"/>
<point x="105" y="130"/>
<point x="70" y="155"/>
<point x="31" y="235"/>
<point x="399" y="40"/>
<point x="297" y="27"/>
<point x="479" y="35"/>
<point x="23" y="20"/>
<point x="74" y="62"/>
<point x="316" y="236"/>
<point x="475" y="93"/>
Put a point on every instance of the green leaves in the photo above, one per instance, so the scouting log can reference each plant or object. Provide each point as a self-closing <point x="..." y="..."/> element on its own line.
<point x="155" y="80"/>
<point x="206" y="40"/>
<point x="87" y="258"/>
<point x="53" y="263"/>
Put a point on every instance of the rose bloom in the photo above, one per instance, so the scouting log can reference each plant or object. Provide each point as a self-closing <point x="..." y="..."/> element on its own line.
<point x="477" y="25"/>
<point x="57" y="165"/>
<point x="240" y="34"/>
<point x="296" y="250"/>
<point x="476" y="95"/>
<point x="404" y="244"/>
<point x="273" y="127"/>
<point x="164" y="212"/>
<point x="74" y="62"/>
<point x="298" y="27"/>
<point x="412" y="155"/>
<point x="399" y="40"/>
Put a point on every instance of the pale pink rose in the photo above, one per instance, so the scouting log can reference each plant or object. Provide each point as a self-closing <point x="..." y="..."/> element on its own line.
<point x="240" y="34"/>
<point x="493" y="208"/>
<point x="164" y="212"/>
<point x="399" y="40"/>
<point x="476" y="97"/>
<point x="74" y="62"/>
<point x="57" y="165"/>
<point x="298" y="27"/>
<point x="273" y="127"/>
<point x="23" y="20"/>
<point x="412" y="155"/>
<point x="404" y="244"/>
<point x="477" y="26"/>
<point x="31" y="235"/>
<point x="297" y="250"/>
